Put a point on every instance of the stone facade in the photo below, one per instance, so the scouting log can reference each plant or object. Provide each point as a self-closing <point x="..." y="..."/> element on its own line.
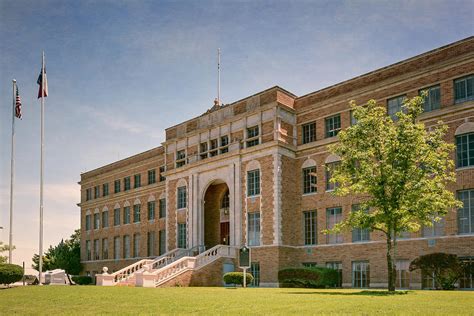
<point x="219" y="152"/>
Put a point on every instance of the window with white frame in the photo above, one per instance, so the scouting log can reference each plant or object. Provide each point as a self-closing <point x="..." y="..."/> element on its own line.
<point x="126" y="215"/>
<point x="309" y="180"/>
<point x="333" y="216"/>
<point x="136" y="213"/>
<point x="151" y="176"/>
<point x="253" y="182"/>
<point x="331" y="186"/>
<point x="360" y="234"/>
<point x="309" y="225"/>
<point x="150" y="244"/>
<point x="432" y="99"/>
<point x="466" y="212"/>
<point x="105" y="189"/>
<point x="162" y="171"/>
<point x="181" y="202"/>
<point x="96" y="220"/>
<point x="224" y="144"/>
<point x="88" y="222"/>
<point x="336" y="265"/>
<point x="96" y="192"/>
<point x="253" y="228"/>
<point x="126" y="246"/>
<point x="126" y="183"/>
<point x="182" y="240"/>
<point x="162" y="208"/>
<point x="464" y="89"/>
<point x="360" y="274"/>
<point x="465" y="150"/>
<point x="394" y="105"/>
<point x="436" y="228"/>
<point x="255" y="271"/>
<point x="333" y="125"/>
<point x="137" y="181"/>
<point x="252" y="136"/>
<point x="180" y="158"/>
<point x="162" y="244"/>
<point x="105" y="219"/>
<point x="151" y="210"/>
<point x="116" y="186"/>
<point x="88" y="194"/>
<point x="309" y="132"/>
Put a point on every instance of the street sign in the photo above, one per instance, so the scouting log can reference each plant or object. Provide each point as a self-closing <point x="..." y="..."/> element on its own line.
<point x="244" y="257"/>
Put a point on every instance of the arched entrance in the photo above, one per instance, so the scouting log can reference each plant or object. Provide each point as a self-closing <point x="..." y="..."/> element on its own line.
<point x="216" y="214"/>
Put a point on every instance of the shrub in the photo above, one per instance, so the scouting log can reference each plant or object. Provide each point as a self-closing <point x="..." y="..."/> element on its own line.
<point x="82" y="280"/>
<point x="316" y="277"/>
<point x="445" y="268"/>
<point x="10" y="273"/>
<point x="237" y="278"/>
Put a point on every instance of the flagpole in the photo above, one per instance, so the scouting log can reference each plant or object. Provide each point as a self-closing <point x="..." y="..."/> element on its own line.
<point x="12" y="175"/>
<point x="219" y="75"/>
<point x="40" y="265"/>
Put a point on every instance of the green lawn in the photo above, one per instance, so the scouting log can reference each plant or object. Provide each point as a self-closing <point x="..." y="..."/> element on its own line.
<point x="82" y="300"/>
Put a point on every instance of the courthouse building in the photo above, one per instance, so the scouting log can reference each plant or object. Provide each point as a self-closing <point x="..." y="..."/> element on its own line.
<point x="256" y="172"/>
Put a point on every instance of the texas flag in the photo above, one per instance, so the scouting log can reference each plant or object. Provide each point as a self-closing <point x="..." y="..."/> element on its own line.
<point x="40" y="81"/>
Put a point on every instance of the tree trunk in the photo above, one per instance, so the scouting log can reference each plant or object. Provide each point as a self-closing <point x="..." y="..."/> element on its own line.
<point x="390" y="268"/>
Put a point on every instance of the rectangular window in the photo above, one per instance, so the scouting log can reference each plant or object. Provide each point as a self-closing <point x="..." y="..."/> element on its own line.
<point x="137" y="181"/>
<point x="465" y="150"/>
<point x="252" y="136"/>
<point x="150" y="244"/>
<point x="96" y="192"/>
<point x="151" y="210"/>
<point x="126" y="246"/>
<point x="403" y="274"/>
<point x="360" y="234"/>
<point x="126" y="215"/>
<point x="255" y="272"/>
<point x="253" y="182"/>
<point x="126" y="183"/>
<point x="162" y="173"/>
<point x="151" y="176"/>
<point x="466" y="212"/>
<point x="310" y="264"/>
<point x="437" y="229"/>
<point x="333" y="216"/>
<point x="116" y="248"/>
<point x="432" y="100"/>
<point x="353" y="119"/>
<point x="116" y="186"/>
<point x="136" y="213"/>
<point x="330" y="186"/>
<point x="105" y="189"/>
<point x="310" y="231"/>
<point x="203" y="147"/>
<point x="96" y="220"/>
<point x="224" y="140"/>
<point x="88" y="250"/>
<point x="309" y="180"/>
<point x="254" y="229"/>
<point x="467" y="278"/>
<point x="105" y="219"/>
<point x="180" y="158"/>
<point x="360" y="274"/>
<point x="336" y="265"/>
<point x="116" y="217"/>
<point x="394" y="105"/>
<point x="309" y="132"/>
<point x="162" y="248"/>
<point x="333" y="125"/>
<point x="182" y="236"/>
<point x="88" y="194"/>
<point x="181" y="198"/>
<point x="88" y="222"/>
<point x="162" y="208"/>
<point x="96" y="249"/>
<point x="136" y="245"/>
<point x="105" y="249"/>
<point x="464" y="89"/>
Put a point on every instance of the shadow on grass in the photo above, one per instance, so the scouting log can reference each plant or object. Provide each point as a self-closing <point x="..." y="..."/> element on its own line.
<point x="366" y="293"/>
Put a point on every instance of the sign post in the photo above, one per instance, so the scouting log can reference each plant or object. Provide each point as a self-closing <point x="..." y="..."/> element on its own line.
<point x="244" y="261"/>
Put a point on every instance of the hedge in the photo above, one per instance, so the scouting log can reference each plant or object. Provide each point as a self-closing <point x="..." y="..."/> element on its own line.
<point x="10" y="273"/>
<point x="237" y="278"/>
<point x="82" y="280"/>
<point x="315" y="277"/>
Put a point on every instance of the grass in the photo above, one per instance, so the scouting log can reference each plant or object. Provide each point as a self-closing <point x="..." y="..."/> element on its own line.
<point x="54" y="300"/>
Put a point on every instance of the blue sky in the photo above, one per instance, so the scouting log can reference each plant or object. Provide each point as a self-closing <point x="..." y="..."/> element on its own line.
<point x="120" y="72"/>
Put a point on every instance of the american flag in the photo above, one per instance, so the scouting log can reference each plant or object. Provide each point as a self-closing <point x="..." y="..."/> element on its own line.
<point x="18" y="104"/>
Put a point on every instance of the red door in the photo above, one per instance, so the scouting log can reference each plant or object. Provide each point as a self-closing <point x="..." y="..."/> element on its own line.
<point x="225" y="229"/>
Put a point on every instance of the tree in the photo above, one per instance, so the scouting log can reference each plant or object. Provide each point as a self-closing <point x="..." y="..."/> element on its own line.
<point x="445" y="268"/>
<point x="398" y="168"/>
<point x="4" y="248"/>
<point x="10" y="273"/>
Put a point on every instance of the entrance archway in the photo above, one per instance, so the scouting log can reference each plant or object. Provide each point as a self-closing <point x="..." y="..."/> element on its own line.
<point x="216" y="214"/>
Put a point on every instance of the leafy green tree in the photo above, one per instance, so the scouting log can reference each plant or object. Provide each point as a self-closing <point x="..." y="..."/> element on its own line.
<point x="445" y="268"/>
<point x="399" y="169"/>
<point x="4" y="248"/>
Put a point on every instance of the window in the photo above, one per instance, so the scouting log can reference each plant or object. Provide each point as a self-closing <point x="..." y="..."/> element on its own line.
<point x="96" y="220"/>
<point x="467" y="278"/>
<point x="182" y="236"/>
<point x="136" y="245"/>
<point x="181" y="197"/>
<point x="394" y="105"/>
<point x="151" y="176"/>
<point x="330" y="186"/>
<point x="203" y="150"/>
<point x="335" y="265"/>
<point x="253" y="229"/>
<point x="88" y="194"/>
<point x="360" y="274"/>
<point x="162" y="171"/>
<point x="136" y="213"/>
<point x="432" y="100"/>
<point x="333" y="216"/>
<point x="105" y="219"/>
<point x="126" y="184"/>
<point x="360" y="234"/>
<point x="162" y="248"/>
<point x="225" y="202"/>
<point x="126" y="246"/>
<point x="88" y="250"/>
<point x="105" y="189"/>
<point x="137" y="181"/>
<point x="333" y="125"/>
<point x="253" y="182"/>
<point x="116" y="217"/>
<point x="252" y="136"/>
<point x="105" y="249"/>
<point x="309" y="132"/>
<point x="310" y="264"/>
<point x="437" y="229"/>
<point x="353" y="119"/>
<point x="465" y="150"/>
<point x="255" y="272"/>
<point x="309" y="180"/>
<point x="162" y="208"/>
<point x="466" y="212"/>
<point x="180" y="158"/>
<point x="116" y="186"/>
<point x="96" y="249"/>
<point x="116" y="248"/>
<point x="403" y="274"/>
<point x="88" y="222"/>
<point x="310" y="231"/>
<point x="464" y="89"/>
<point x="150" y="244"/>
<point x="126" y="215"/>
<point x="213" y="147"/>
<point x="151" y="210"/>
<point x="96" y="192"/>
<point x="224" y="140"/>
